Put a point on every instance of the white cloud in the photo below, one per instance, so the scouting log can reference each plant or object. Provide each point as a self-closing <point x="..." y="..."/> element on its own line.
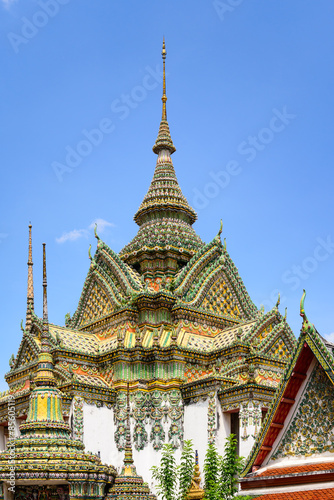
<point x="330" y="337"/>
<point x="72" y="235"/>
<point x="84" y="233"/>
<point x="101" y="224"/>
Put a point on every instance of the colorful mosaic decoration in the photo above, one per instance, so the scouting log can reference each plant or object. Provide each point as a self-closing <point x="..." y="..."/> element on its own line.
<point x="128" y="484"/>
<point x="308" y="436"/>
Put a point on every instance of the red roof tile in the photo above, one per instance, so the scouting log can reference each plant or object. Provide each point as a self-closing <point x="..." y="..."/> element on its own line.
<point x="327" y="494"/>
<point x="297" y="469"/>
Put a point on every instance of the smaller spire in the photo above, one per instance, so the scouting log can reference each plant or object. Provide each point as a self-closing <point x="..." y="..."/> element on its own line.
<point x="30" y="289"/>
<point x="195" y="491"/>
<point x="128" y="458"/>
<point x="45" y="375"/>
<point x="45" y="285"/>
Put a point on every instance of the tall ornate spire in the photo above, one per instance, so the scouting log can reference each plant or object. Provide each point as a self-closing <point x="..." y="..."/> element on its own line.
<point x="45" y="374"/>
<point x="164" y="140"/>
<point x="164" y="216"/>
<point x="30" y="290"/>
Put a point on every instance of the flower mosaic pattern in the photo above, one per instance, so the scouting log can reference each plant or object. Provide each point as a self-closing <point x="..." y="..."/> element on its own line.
<point x="307" y="436"/>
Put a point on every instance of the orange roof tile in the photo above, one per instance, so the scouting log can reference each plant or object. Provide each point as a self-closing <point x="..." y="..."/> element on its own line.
<point x="327" y="494"/>
<point x="297" y="469"/>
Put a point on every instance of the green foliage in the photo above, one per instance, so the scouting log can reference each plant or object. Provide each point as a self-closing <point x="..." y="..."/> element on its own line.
<point x="221" y="473"/>
<point x="165" y="475"/>
<point x="173" y="481"/>
<point x="186" y="469"/>
<point x="231" y="466"/>
<point x="211" y="469"/>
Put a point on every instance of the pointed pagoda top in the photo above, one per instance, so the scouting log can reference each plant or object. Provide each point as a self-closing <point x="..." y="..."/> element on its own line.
<point x="164" y="140"/>
<point x="164" y="193"/>
<point x="30" y="289"/>
<point x="164" y="216"/>
<point x="45" y="375"/>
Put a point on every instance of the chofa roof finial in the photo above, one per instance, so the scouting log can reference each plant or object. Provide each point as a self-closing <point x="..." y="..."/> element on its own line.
<point x="307" y="327"/>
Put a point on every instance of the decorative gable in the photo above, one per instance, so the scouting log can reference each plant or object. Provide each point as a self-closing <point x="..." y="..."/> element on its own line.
<point x="308" y="436"/>
<point x="28" y="351"/>
<point x="98" y="304"/>
<point x="220" y="299"/>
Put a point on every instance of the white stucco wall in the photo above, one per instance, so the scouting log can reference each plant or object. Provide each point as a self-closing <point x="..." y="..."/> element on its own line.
<point x="196" y="427"/>
<point x="99" y="431"/>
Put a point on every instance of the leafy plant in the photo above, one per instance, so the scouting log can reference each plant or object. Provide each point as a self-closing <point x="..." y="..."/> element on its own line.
<point x="186" y="469"/>
<point x="173" y="481"/>
<point x="165" y="474"/>
<point x="231" y="466"/>
<point x="211" y="469"/>
<point x="221" y="473"/>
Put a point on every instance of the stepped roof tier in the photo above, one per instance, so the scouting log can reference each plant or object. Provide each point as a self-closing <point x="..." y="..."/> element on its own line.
<point x="294" y="453"/>
<point x="164" y="216"/>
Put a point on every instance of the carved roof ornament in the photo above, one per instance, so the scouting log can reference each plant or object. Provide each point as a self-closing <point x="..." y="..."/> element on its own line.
<point x="307" y="326"/>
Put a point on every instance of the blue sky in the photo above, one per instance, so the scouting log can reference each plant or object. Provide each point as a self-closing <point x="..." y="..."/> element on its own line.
<point x="250" y="108"/>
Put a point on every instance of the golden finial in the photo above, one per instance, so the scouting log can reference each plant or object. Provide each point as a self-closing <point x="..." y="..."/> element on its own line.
<point x="164" y="96"/>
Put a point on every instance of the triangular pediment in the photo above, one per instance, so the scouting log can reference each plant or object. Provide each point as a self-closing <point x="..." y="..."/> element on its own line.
<point x="211" y="282"/>
<point x="28" y="351"/>
<point x="300" y="422"/>
<point x="109" y="284"/>
<point x="98" y="300"/>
